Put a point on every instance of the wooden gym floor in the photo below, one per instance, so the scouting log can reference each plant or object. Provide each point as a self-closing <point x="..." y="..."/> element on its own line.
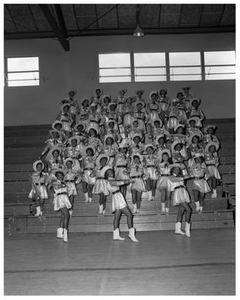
<point x="161" y="263"/>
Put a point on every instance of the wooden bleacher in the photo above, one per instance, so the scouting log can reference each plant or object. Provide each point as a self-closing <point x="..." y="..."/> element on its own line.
<point x="23" y="145"/>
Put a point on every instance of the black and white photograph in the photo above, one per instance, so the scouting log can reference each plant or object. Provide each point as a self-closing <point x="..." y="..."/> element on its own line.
<point x="119" y="166"/>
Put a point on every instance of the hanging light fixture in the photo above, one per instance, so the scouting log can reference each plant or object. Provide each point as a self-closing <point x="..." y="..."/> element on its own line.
<point x="138" y="32"/>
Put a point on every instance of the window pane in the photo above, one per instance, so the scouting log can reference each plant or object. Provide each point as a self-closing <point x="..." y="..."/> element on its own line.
<point x="114" y="60"/>
<point x="219" y="58"/>
<point x="150" y="71"/>
<point x="23" y="64"/>
<point x="223" y="70"/>
<point x="187" y="71"/>
<point x="150" y="78"/>
<point x="220" y="76"/>
<point x="23" y="83"/>
<point x="185" y="77"/>
<point x="149" y="59"/>
<point x="25" y="75"/>
<point x="184" y="58"/>
<point x="114" y="72"/>
<point x="114" y="79"/>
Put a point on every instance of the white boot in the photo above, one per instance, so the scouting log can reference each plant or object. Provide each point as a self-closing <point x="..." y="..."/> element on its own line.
<point x="116" y="235"/>
<point x="134" y="208"/>
<point x="132" y="235"/>
<point x="89" y="199"/>
<point x="150" y="196"/>
<point x="86" y="197"/>
<point x="214" y="194"/>
<point x="100" y="209"/>
<point x="138" y="211"/>
<point x="178" y="228"/>
<point x="60" y="233"/>
<point x="38" y="211"/>
<point x="197" y="206"/>
<point x="163" y="207"/>
<point x="200" y="209"/>
<point x="187" y="229"/>
<point x="104" y="211"/>
<point x="167" y="210"/>
<point x="65" y="235"/>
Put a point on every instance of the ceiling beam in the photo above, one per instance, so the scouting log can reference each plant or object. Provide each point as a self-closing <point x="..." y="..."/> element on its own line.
<point x="61" y="35"/>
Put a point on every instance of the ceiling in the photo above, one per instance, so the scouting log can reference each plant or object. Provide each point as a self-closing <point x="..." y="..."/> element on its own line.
<point x="64" y="21"/>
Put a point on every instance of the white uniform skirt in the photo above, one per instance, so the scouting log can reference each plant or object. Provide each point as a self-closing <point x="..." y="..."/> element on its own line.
<point x="164" y="183"/>
<point x="213" y="172"/>
<point x="152" y="173"/>
<point x="66" y="126"/>
<point x="172" y="123"/>
<point x="118" y="201"/>
<point x="119" y="173"/>
<point x="42" y="191"/>
<point x="201" y="185"/>
<point x="180" y="195"/>
<point x="127" y="120"/>
<point x="100" y="186"/>
<point x="137" y="185"/>
<point x="71" y="188"/>
<point x="87" y="178"/>
<point x="61" y="201"/>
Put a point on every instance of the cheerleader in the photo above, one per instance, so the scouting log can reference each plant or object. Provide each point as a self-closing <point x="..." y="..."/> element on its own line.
<point x="84" y="110"/>
<point x="88" y="165"/>
<point x="79" y="131"/>
<point x="93" y="138"/>
<point x="100" y="186"/>
<point x="61" y="203"/>
<point x="181" y="199"/>
<point x="136" y="146"/>
<point x="55" y="140"/>
<point x="54" y="160"/>
<point x="191" y="126"/>
<point x="198" y="170"/>
<point x="187" y="96"/>
<point x="106" y="99"/>
<point x="121" y="99"/>
<point x="111" y="128"/>
<point x="140" y="114"/>
<point x="194" y="145"/>
<point x="127" y="115"/>
<point x="179" y="155"/>
<point x="150" y="163"/>
<point x="136" y="129"/>
<point x="160" y="145"/>
<point x="163" y="100"/>
<point x="71" y="178"/>
<point x="152" y="109"/>
<point x="157" y="128"/>
<point x="74" y="151"/>
<point x="137" y="173"/>
<point x="196" y="112"/>
<point x="173" y="120"/>
<point x="179" y="133"/>
<point x="209" y="135"/>
<point x="95" y="119"/>
<point x="119" y="205"/>
<point x="212" y="162"/>
<point x="97" y="99"/>
<point x="39" y="181"/>
<point x="164" y="183"/>
<point x="121" y="164"/>
<point x="74" y="106"/>
<point x="110" y="148"/>
<point x="66" y="119"/>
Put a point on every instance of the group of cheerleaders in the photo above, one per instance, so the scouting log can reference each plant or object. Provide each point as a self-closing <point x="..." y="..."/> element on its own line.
<point x="128" y="145"/>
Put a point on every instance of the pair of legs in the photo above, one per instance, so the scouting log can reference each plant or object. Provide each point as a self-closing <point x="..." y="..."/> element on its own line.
<point x="39" y="206"/>
<point x="117" y="217"/>
<point x="212" y="181"/>
<point x="102" y="203"/>
<point x="136" y="200"/>
<point x="123" y="190"/>
<point x="151" y="185"/>
<point x="184" y="207"/>
<point x="165" y="196"/>
<point x="199" y="199"/>
<point x="87" y="190"/>
<point x="64" y="219"/>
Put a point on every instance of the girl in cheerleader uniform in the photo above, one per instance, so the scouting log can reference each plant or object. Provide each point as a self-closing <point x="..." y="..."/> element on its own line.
<point x="191" y="126"/>
<point x="179" y="134"/>
<point x="152" y="109"/>
<point x="157" y="128"/>
<point x="198" y="170"/>
<point x="140" y="115"/>
<point x="194" y="145"/>
<point x="136" y="146"/>
<point x="119" y="205"/>
<point x="54" y="161"/>
<point x="173" y="120"/>
<point x="61" y="203"/>
<point x="187" y="96"/>
<point x="139" y="94"/>
<point x="95" y="119"/>
<point x="97" y="99"/>
<point x="209" y="135"/>
<point x="150" y="163"/>
<point x="120" y="101"/>
<point x="160" y="145"/>
<point x="181" y="199"/>
<point x="66" y="119"/>
<point x="55" y="140"/>
<point x="138" y="174"/>
<point x="179" y="155"/>
<point x="194" y="111"/>
<point x="88" y="165"/>
<point x="71" y="179"/>
<point x="100" y="186"/>
<point x="164" y="183"/>
<point x="110" y="148"/>
<point x="93" y="138"/>
<point x="127" y="115"/>
<point x="58" y="126"/>
<point x="135" y="129"/>
<point x="121" y="164"/>
<point x="39" y="181"/>
<point x="84" y="111"/>
<point x="79" y="131"/>
<point x="112" y="113"/>
<point x="106" y="99"/>
<point x="212" y="162"/>
<point x="74" y="106"/>
<point x="163" y="100"/>
<point x="74" y="151"/>
<point x="111" y="128"/>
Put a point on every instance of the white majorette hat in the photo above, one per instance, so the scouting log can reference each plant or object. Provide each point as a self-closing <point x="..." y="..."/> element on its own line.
<point x="111" y="121"/>
<point x="208" y="127"/>
<point x="139" y="101"/>
<point x="74" y="138"/>
<point x="123" y="144"/>
<point x="69" y="159"/>
<point x="55" y="123"/>
<point x="100" y="157"/>
<point x="211" y="144"/>
<point x="137" y="154"/>
<point x="56" y="131"/>
<point x="160" y="136"/>
<point x="152" y="93"/>
<point x="195" y="99"/>
<point x="157" y="119"/>
<point x="193" y="135"/>
<point x="165" y="151"/>
<point x="137" y="134"/>
<point x="109" y="136"/>
<point x="80" y="124"/>
<point x="64" y="105"/>
<point x="176" y="142"/>
<point x="111" y="104"/>
<point x="195" y="119"/>
<point x="89" y="147"/>
<point x="36" y="163"/>
<point x="148" y="145"/>
<point x="55" y="148"/>
<point x="63" y="171"/>
<point x="93" y="125"/>
<point x="179" y="125"/>
<point x="105" y="169"/>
